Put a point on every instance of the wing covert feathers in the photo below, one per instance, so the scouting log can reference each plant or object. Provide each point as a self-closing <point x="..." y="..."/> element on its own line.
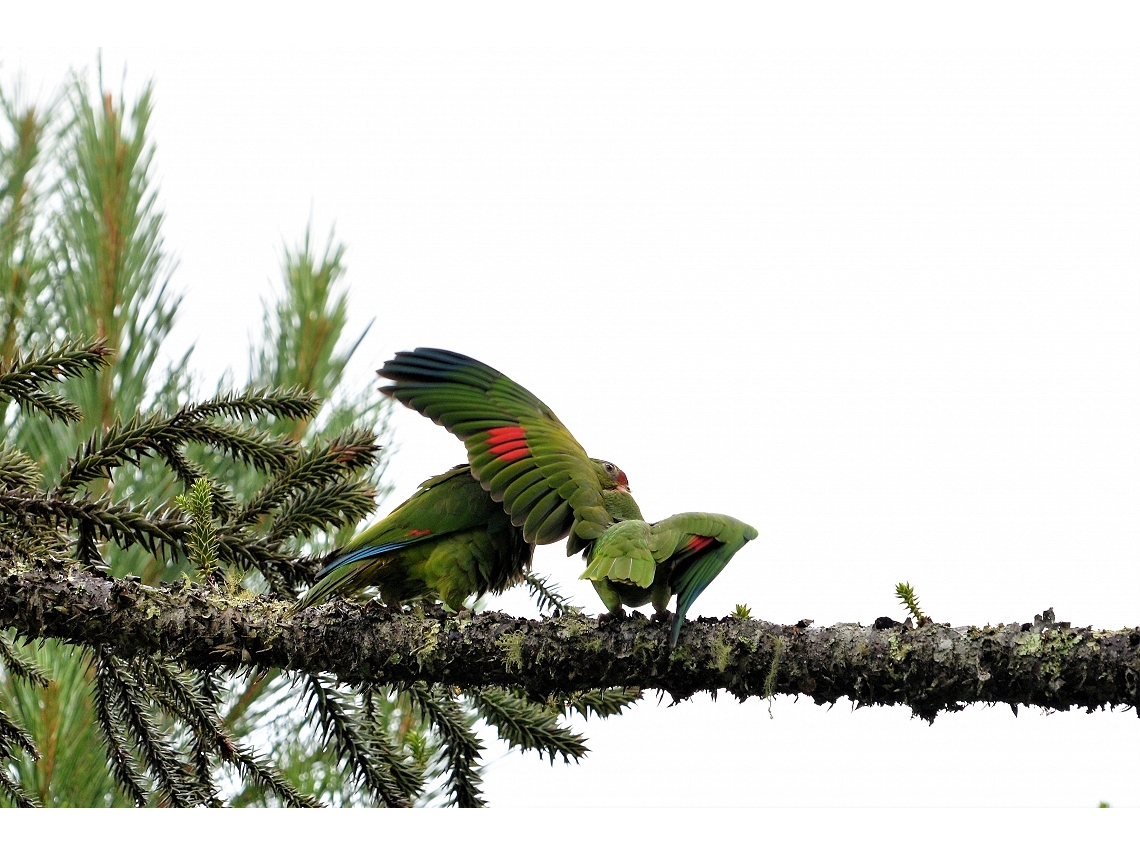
<point x="623" y="553"/>
<point x="517" y="448"/>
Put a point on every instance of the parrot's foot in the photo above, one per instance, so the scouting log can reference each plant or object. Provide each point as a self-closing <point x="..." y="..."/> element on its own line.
<point x="606" y="617"/>
<point x="662" y="616"/>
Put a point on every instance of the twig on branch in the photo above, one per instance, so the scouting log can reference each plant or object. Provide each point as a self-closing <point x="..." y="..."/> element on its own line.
<point x="931" y="669"/>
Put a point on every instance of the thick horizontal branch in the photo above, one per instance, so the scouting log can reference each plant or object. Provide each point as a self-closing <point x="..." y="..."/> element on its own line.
<point x="931" y="668"/>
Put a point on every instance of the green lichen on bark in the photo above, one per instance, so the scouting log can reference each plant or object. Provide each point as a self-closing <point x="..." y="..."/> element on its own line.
<point x="511" y="645"/>
<point x="931" y="669"/>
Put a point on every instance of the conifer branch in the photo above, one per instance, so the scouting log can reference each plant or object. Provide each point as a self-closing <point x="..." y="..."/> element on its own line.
<point x="340" y="504"/>
<point x="527" y="725"/>
<point x="160" y="534"/>
<point x="291" y="404"/>
<point x="341" y="730"/>
<point x="12" y="734"/>
<point x="102" y="519"/>
<point x="15" y="793"/>
<point x="179" y="697"/>
<point x="147" y="436"/>
<point x="203" y="767"/>
<point x="21" y="381"/>
<point x="313" y="469"/>
<point x="17" y="470"/>
<point x="546" y="594"/>
<point x="162" y="762"/>
<point x="259" y="449"/>
<point x="256" y="771"/>
<point x="94" y="247"/>
<point x="388" y="755"/>
<point x="20" y="667"/>
<point x="282" y="569"/>
<point x="119" y="756"/>
<point x="188" y="472"/>
<point x="601" y="702"/>
<point x="165" y="691"/>
<point x="131" y="702"/>
<point x="459" y="746"/>
<point x="55" y="407"/>
<point x="121" y="443"/>
<point x="86" y="545"/>
<point x="182" y="466"/>
<point x="185" y="700"/>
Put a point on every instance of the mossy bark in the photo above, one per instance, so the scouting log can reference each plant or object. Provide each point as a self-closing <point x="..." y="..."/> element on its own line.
<point x="932" y="668"/>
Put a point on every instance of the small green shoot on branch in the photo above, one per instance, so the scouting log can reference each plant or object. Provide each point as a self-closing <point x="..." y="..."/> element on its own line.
<point x="905" y="592"/>
<point x="197" y="504"/>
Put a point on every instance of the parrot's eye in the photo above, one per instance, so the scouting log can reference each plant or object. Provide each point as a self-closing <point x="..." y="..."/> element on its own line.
<point x="610" y="468"/>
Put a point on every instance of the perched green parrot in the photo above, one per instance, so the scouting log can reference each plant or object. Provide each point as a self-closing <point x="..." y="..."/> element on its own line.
<point x="524" y="456"/>
<point x="518" y="449"/>
<point x="634" y="562"/>
<point x="448" y="541"/>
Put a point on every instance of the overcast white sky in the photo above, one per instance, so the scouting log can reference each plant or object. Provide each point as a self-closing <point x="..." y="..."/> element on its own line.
<point x="883" y="303"/>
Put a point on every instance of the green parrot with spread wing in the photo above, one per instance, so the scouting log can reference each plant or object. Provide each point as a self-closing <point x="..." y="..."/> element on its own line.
<point x="518" y="449"/>
<point x="635" y="562"/>
<point x="525" y="457"/>
<point x="449" y="541"/>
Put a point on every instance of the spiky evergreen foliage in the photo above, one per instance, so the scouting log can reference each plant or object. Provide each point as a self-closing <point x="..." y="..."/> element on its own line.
<point x="105" y="459"/>
<point x="161" y="733"/>
<point x="197" y="504"/>
<point x="906" y="595"/>
<point x="546" y="594"/>
<point x="108" y="449"/>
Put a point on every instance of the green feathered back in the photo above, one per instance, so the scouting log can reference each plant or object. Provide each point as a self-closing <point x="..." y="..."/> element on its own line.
<point x="449" y="541"/>
<point x="624" y="553"/>
<point x="634" y="562"/>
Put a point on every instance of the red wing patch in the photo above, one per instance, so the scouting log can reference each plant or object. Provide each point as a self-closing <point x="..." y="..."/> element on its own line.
<point x="419" y="532"/>
<point x="697" y="543"/>
<point x="508" y="443"/>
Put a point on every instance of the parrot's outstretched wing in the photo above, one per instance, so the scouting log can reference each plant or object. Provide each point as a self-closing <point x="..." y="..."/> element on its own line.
<point x="518" y="449"/>
<point x="696" y="547"/>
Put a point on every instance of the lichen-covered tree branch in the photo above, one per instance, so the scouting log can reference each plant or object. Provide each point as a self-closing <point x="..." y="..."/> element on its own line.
<point x="931" y="668"/>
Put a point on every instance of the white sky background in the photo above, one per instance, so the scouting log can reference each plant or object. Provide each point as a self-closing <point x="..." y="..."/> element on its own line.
<point x="881" y="303"/>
